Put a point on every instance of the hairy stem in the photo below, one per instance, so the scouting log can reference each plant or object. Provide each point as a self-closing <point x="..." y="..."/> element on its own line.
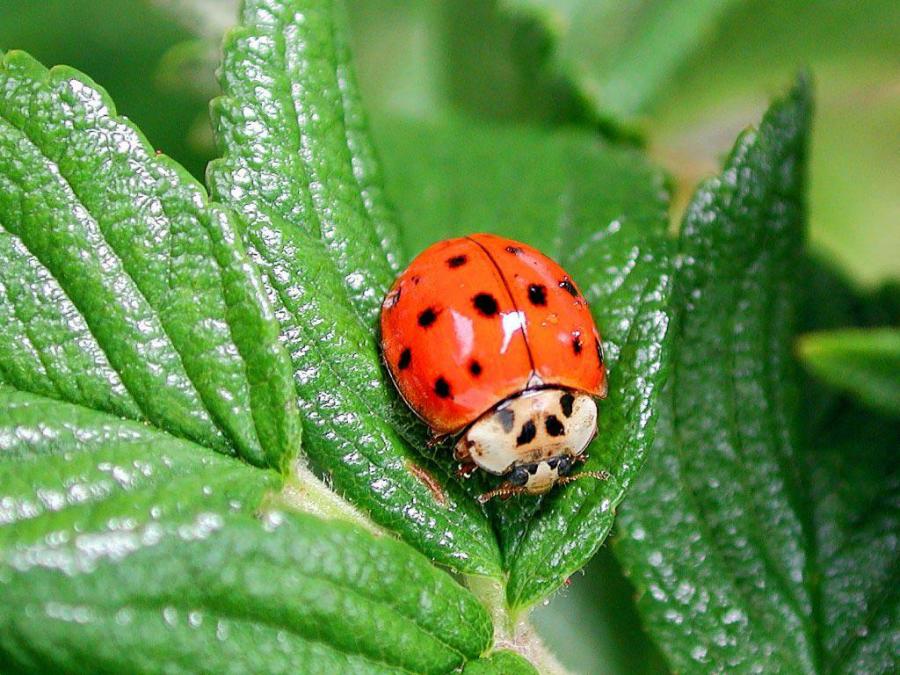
<point x="513" y="631"/>
<point x="304" y="491"/>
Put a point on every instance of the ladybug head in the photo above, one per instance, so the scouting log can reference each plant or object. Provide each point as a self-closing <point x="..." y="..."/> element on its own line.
<point x="534" y="439"/>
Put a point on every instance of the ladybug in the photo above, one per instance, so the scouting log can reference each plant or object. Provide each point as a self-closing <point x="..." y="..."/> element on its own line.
<point x="489" y="340"/>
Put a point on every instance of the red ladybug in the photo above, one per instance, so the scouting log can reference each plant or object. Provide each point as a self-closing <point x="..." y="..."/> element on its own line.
<point x="488" y="338"/>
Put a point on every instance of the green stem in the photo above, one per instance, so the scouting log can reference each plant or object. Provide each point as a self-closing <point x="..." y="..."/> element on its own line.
<point x="303" y="491"/>
<point x="513" y="630"/>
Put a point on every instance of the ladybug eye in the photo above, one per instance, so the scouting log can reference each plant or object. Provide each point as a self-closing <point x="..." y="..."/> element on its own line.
<point x="519" y="476"/>
<point x="564" y="466"/>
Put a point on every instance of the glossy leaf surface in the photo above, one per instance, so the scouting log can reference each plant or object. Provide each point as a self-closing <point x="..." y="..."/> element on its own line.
<point x="294" y="140"/>
<point x="700" y="514"/>
<point x="746" y="539"/>
<point x="131" y="550"/>
<point x="600" y="213"/>
<point x="130" y="543"/>
<point x="121" y="289"/>
<point x="318" y="231"/>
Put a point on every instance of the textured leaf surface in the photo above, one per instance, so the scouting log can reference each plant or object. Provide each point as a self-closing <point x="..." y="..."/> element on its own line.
<point x="131" y="550"/>
<point x="717" y="509"/>
<point x="295" y="144"/>
<point x="128" y="543"/>
<point x="298" y="166"/>
<point x="600" y="213"/>
<point x="854" y="488"/>
<point x="120" y="289"/>
<point x="746" y="544"/>
<point x="863" y="362"/>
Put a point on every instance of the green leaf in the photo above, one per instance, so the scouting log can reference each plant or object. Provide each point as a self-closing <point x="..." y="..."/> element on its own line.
<point x="750" y="543"/>
<point x="500" y="663"/>
<point x="854" y="488"/>
<point x="131" y="550"/>
<point x="715" y="510"/>
<point x="618" y="55"/>
<point x="600" y="213"/>
<point x="124" y="54"/>
<point x="864" y="362"/>
<point x="297" y="164"/>
<point x="593" y="625"/>
<point x="347" y="407"/>
<point x="120" y="289"/>
<point x="67" y="468"/>
<point x="470" y="55"/>
<point x="128" y="542"/>
<point x="712" y="536"/>
<point x="829" y="302"/>
<point x="294" y="141"/>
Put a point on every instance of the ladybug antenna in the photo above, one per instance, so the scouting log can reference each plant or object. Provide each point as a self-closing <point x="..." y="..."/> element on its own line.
<point x="505" y="491"/>
<point x="599" y="475"/>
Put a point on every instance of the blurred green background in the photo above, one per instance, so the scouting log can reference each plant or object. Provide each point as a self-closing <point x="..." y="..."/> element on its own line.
<point x="680" y="78"/>
<point x="677" y="78"/>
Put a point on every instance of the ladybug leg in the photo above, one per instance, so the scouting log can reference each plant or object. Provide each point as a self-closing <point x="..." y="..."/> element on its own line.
<point x="461" y="453"/>
<point x="582" y="458"/>
<point x="433" y="441"/>
<point x="466" y="469"/>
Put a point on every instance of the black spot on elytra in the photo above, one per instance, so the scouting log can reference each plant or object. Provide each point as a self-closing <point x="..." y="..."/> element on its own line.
<point x="405" y="359"/>
<point x="529" y="431"/>
<point x="475" y="368"/>
<point x="537" y="294"/>
<point x="457" y="261"/>
<point x="515" y="250"/>
<point x="427" y="317"/>
<point x="486" y="304"/>
<point x="554" y="426"/>
<point x="599" y="351"/>
<point x="567" y="285"/>
<point x="566" y="401"/>
<point x="415" y="278"/>
<point x="576" y="343"/>
<point x="442" y="388"/>
<point x="507" y="419"/>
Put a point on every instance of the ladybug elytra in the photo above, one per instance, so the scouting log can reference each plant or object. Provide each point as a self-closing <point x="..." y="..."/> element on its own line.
<point x="488" y="339"/>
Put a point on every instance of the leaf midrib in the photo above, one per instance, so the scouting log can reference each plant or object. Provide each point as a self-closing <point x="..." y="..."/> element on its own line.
<point x="296" y="137"/>
<point x="702" y="523"/>
<point x="341" y="586"/>
<point x="356" y="396"/>
<point x="739" y="442"/>
<point x="575" y="520"/>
